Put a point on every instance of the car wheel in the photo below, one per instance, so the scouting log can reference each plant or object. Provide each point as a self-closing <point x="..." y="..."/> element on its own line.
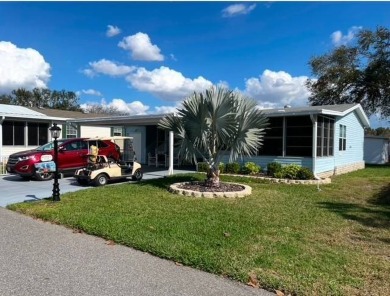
<point x="82" y="182"/>
<point x="137" y="175"/>
<point x="44" y="176"/>
<point x="101" y="180"/>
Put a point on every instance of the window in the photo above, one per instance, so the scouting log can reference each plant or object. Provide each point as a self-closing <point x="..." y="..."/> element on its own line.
<point x="13" y="132"/>
<point x="273" y="138"/>
<point x="71" y="131"/>
<point x="294" y="133"/>
<point x="325" y="130"/>
<point x="117" y="131"/>
<point x="299" y="133"/>
<point x="343" y="138"/>
<point x="37" y="133"/>
<point x="76" y="145"/>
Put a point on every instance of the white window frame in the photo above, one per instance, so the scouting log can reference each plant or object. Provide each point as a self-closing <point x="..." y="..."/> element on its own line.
<point x="342" y="137"/>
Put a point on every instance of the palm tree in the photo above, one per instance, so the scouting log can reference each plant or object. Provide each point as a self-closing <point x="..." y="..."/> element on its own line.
<point x="216" y="122"/>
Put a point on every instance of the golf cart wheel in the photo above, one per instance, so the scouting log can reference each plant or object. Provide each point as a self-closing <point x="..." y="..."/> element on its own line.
<point x="101" y="180"/>
<point x="137" y="175"/>
<point x="44" y="176"/>
<point x="82" y="182"/>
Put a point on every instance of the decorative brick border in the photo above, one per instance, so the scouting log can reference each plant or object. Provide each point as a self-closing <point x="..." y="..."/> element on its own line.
<point x="286" y="181"/>
<point x="245" y="192"/>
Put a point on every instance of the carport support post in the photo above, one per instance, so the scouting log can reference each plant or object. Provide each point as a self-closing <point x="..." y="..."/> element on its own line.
<point x="170" y="169"/>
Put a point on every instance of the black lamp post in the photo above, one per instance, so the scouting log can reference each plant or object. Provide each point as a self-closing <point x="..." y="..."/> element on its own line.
<point x="55" y="134"/>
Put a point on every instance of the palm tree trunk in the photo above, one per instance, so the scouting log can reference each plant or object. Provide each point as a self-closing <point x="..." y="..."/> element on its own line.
<point x="212" y="178"/>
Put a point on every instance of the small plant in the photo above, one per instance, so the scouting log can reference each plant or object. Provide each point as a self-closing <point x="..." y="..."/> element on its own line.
<point x="232" y="168"/>
<point x="273" y="168"/>
<point x="251" y="168"/>
<point x="290" y="171"/>
<point x="305" y="174"/>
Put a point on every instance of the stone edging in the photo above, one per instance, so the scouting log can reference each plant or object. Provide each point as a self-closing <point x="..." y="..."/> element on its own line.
<point x="286" y="181"/>
<point x="245" y="192"/>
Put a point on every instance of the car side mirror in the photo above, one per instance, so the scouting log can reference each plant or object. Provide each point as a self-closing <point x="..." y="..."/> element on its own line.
<point x="61" y="149"/>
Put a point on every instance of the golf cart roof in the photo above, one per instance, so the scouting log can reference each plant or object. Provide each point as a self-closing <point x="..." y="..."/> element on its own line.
<point x="113" y="138"/>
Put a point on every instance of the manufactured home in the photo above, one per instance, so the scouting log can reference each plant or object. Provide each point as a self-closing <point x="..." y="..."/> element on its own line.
<point x="328" y="140"/>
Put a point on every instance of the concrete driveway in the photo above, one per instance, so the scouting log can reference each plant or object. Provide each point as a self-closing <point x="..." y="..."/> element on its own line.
<point x="14" y="189"/>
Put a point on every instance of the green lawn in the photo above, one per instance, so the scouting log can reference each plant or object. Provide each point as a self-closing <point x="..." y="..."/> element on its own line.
<point x="295" y="238"/>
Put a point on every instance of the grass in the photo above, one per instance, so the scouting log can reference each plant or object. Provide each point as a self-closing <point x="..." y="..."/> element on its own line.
<point x="293" y="238"/>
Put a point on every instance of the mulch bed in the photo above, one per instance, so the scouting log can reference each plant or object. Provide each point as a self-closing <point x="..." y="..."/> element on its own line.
<point x="201" y="187"/>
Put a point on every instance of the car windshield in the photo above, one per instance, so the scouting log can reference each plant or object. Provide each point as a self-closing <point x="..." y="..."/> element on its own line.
<point x="50" y="145"/>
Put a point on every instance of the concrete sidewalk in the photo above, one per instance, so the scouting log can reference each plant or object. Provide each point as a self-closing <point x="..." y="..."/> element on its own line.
<point x="38" y="258"/>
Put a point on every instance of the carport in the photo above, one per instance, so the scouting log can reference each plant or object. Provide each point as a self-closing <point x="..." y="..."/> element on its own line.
<point x="141" y="127"/>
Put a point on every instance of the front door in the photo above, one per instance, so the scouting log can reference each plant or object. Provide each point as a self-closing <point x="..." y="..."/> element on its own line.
<point x="137" y="144"/>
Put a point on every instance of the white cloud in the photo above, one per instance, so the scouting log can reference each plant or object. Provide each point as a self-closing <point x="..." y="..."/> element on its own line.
<point x="276" y="89"/>
<point x="112" y="31"/>
<point x="339" y="39"/>
<point x="166" y="83"/>
<point x="133" y="108"/>
<point x="165" y="109"/>
<point x="22" y="68"/>
<point x="237" y="9"/>
<point x="90" y="92"/>
<point x="107" y="67"/>
<point x="141" y="47"/>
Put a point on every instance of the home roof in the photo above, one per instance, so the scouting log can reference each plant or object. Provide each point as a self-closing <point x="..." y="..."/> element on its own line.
<point x="15" y="111"/>
<point x="65" y="113"/>
<point x="335" y="110"/>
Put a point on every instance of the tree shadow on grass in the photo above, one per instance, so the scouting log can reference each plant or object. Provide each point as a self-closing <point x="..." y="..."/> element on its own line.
<point x="374" y="214"/>
<point x="382" y="198"/>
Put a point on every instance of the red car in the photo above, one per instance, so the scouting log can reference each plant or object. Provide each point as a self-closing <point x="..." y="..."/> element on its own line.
<point x="72" y="155"/>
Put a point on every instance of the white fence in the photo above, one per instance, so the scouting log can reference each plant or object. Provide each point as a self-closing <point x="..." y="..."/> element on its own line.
<point x="3" y="162"/>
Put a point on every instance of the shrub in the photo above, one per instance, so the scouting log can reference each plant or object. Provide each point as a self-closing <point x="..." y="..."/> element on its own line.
<point x="232" y="168"/>
<point x="251" y="168"/>
<point x="290" y="171"/>
<point x="305" y="174"/>
<point x="273" y="168"/>
<point x="203" y="167"/>
<point x="221" y="167"/>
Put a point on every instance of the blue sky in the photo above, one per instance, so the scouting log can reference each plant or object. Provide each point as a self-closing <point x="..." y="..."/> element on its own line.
<point x="146" y="57"/>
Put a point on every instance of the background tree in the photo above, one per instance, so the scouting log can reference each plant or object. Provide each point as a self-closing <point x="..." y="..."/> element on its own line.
<point x="214" y="122"/>
<point x="355" y="74"/>
<point x="42" y="97"/>
<point x="101" y="109"/>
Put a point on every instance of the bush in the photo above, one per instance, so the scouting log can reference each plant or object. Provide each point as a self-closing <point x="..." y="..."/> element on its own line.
<point x="251" y="168"/>
<point x="232" y="168"/>
<point x="203" y="167"/>
<point x="273" y="168"/>
<point x="290" y="171"/>
<point x="221" y="167"/>
<point x="305" y="174"/>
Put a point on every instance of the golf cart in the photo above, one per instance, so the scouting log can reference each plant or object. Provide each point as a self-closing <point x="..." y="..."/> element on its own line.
<point x="100" y="170"/>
